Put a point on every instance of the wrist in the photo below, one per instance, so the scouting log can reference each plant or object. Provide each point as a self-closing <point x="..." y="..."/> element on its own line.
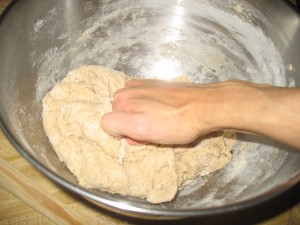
<point x="235" y="105"/>
<point x="253" y="108"/>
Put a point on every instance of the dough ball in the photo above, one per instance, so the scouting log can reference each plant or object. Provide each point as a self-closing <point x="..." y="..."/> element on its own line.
<point x="72" y="113"/>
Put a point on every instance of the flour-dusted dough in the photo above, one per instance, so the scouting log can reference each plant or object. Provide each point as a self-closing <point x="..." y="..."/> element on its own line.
<point x="71" y="116"/>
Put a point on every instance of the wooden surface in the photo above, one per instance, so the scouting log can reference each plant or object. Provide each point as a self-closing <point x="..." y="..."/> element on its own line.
<point x="15" y="211"/>
<point x="25" y="182"/>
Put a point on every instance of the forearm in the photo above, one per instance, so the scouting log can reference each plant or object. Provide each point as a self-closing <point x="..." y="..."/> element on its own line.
<point x="261" y="109"/>
<point x="153" y="111"/>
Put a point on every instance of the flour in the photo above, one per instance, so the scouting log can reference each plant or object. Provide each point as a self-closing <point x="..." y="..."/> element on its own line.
<point x="208" y="45"/>
<point x="209" y="41"/>
<point x="239" y="8"/>
<point x="38" y="25"/>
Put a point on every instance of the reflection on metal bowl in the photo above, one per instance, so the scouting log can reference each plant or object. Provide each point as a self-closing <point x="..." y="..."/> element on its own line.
<point x="208" y="41"/>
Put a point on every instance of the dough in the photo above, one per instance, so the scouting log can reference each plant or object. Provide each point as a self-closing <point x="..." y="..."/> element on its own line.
<point x="72" y="112"/>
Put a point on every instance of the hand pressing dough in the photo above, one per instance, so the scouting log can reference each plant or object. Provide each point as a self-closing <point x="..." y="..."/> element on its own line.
<point x="72" y="112"/>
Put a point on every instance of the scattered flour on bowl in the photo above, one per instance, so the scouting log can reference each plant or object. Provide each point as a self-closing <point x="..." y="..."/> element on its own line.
<point x="239" y="8"/>
<point x="209" y="41"/>
<point x="153" y="43"/>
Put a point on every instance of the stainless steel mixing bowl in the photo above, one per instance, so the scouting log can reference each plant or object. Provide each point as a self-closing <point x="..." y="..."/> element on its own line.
<point x="207" y="40"/>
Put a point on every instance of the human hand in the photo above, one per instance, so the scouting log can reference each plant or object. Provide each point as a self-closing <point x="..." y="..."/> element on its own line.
<point x="156" y="111"/>
<point x="164" y="112"/>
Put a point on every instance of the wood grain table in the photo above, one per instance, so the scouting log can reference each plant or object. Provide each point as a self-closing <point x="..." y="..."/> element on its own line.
<point x="35" y="199"/>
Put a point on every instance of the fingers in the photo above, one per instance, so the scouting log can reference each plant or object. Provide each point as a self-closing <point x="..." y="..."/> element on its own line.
<point x="135" y="111"/>
<point x="133" y="142"/>
<point x="143" y="82"/>
<point x="113" y="123"/>
<point x="133" y="83"/>
<point x="123" y="104"/>
<point x="124" y="94"/>
<point x="123" y="124"/>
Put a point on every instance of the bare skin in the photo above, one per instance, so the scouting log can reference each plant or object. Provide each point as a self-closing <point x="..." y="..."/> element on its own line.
<point x="165" y="112"/>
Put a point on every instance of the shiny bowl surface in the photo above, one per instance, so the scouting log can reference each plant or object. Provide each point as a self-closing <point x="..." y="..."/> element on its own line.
<point x="208" y="41"/>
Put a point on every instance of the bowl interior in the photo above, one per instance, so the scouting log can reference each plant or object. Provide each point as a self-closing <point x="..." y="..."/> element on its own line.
<point x="212" y="41"/>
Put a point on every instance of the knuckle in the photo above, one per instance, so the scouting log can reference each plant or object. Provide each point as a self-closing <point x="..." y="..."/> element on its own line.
<point x="120" y="96"/>
<point x="133" y="82"/>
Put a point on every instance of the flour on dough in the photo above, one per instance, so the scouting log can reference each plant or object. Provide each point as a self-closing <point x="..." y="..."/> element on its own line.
<point x="72" y="112"/>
